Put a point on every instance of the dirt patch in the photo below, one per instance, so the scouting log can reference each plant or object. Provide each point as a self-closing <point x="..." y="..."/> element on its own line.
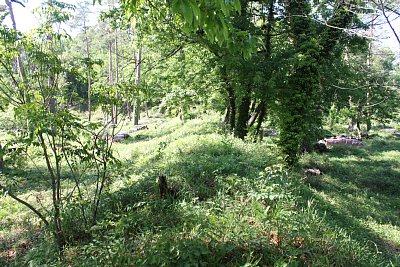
<point x="17" y="243"/>
<point x="393" y="248"/>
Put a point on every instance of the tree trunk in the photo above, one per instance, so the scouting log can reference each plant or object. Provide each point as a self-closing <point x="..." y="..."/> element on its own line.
<point x="299" y="116"/>
<point x="115" y="107"/>
<point x="58" y="232"/>
<point x="147" y="109"/>
<point x="241" y="123"/>
<point x="231" y="109"/>
<point x="89" y="66"/>
<point x="137" y="104"/>
<point x="227" y="115"/>
<point x="110" y="68"/>
<point x="1" y="159"/>
<point x="18" y="59"/>
<point x="260" y="120"/>
<point x="253" y="106"/>
<point x="359" y="118"/>
<point x="136" y="111"/>
<point x="257" y="112"/>
<point x="369" y="62"/>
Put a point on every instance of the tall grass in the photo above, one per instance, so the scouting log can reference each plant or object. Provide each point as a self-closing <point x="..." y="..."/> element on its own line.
<point x="236" y="206"/>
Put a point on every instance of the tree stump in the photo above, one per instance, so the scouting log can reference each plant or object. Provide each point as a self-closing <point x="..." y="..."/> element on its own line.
<point x="162" y="185"/>
<point x="320" y="147"/>
<point x="165" y="190"/>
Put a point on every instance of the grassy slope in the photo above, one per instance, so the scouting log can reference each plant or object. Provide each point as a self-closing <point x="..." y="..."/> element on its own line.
<point x="230" y="210"/>
<point x="360" y="190"/>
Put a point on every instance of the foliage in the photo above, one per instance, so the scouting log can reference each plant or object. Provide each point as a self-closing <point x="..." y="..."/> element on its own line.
<point x="47" y="125"/>
<point x="226" y="213"/>
<point x="229" y="201"/>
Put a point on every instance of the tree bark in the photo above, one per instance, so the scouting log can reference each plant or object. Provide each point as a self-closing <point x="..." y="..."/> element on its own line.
<point x="253" y="106"/>
<point x="58" y="232"/>
<point x="1" y="159"/>
<point x="369" y="63"/>
<point x="243" y="115"/>
<point x="137" y="104"/>
<point x="110" y="68"/>
<point x="89" y="66"/>
<point x="263" y="112"/>
<point x="115" y="107"/>
<point x="256" y="113"/>
<point x="18" y="59"/>
<point x="231" y="109"/>
<point x="227" y="115"/>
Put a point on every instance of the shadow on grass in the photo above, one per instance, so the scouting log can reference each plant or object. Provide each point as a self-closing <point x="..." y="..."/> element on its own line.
<point x="174" y="131"/>
<point x="337" y="217"/>
<point x="360" y="191"/>
<point x="201" y="169"/>
<point x="26" y="179"/>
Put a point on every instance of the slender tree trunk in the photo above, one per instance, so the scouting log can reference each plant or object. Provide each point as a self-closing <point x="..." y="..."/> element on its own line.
<point x="147" y="109"/>
<point x="231" y="109"/>
<point x="58" y="232"/>
<point x="52" y="102"/>
<point x="256" y="113"/>
<point x="128" y="107"/>
<point x="252" y="107"/>
<point x="115" y="107"/>
<point x="89" y="66"/>
<point x="243" y="115"/>
<point x="369" y="62"/>
<point x="352" y="118"/>
<point x="260" y="120"/>
<point x="18" y="59"/>
<point x="1" y="159"/>
<point x="227" y="115"/>
<point x="110" y="67"/>
<point x="359" y="119"/>
<point x="137" y="104"/>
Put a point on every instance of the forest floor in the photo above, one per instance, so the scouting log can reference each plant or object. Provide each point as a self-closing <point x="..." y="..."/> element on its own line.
<point x="233" y="205"/>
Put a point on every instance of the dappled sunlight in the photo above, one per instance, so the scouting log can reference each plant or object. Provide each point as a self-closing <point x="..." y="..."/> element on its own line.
<point x="359" y="191"/>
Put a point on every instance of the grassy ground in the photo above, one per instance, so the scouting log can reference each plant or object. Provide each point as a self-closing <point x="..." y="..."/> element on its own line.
<point x="360" y="190"/>
<point x="232" y="205"/>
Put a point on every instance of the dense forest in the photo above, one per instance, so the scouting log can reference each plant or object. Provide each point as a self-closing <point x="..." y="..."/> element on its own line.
<point x="200" y="133"/>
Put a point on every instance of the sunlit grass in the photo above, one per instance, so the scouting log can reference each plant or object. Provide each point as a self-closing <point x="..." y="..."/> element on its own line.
<point x="362" y="185"/>
<point x="229" y="209"/>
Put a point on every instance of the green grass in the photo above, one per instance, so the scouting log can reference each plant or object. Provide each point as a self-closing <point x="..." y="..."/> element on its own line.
<point x="360" y="191"/>
<point x="235" y="205"/>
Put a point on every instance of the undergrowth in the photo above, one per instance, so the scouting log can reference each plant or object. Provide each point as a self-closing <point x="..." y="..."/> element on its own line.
<point x="234" y="205"/>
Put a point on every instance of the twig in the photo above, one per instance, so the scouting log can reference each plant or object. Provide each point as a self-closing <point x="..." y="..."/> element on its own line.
<point x="388" y="21"/>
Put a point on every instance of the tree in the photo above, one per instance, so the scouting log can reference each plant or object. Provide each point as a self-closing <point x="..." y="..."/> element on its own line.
<point x="48" y="125"/>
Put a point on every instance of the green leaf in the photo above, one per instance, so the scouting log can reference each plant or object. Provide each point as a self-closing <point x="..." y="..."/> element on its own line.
<point x="187" y="13"/>
<point x="237" y="6"/>
<point x="224" y="9"/>
<point x="175" y="6"/>
<point x="196" y="10"/>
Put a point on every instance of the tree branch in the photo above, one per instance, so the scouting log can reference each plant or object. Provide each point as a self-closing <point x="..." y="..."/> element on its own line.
<point x="388" y="21"/>
<point x="23" y="202"/>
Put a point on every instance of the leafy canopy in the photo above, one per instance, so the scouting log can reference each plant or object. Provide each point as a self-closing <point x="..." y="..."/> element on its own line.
<point x="203" y="16"/>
